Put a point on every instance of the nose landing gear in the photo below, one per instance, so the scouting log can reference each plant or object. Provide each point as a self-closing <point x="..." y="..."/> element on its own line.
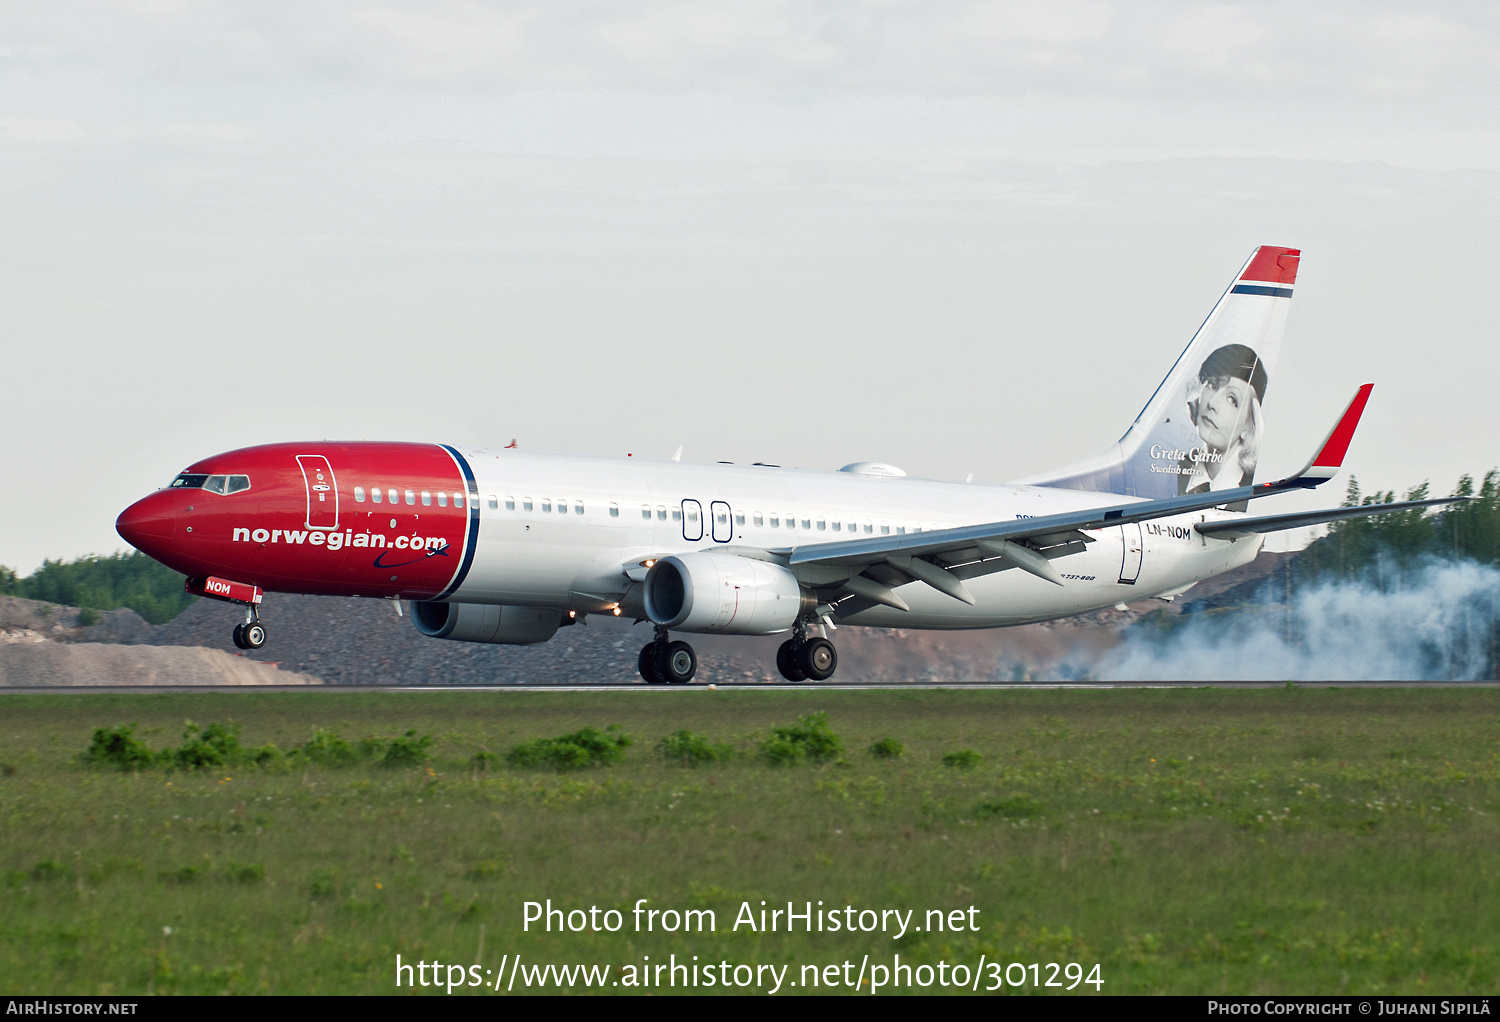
<point x="664" y="662"/>
<point x="251" y="634"/>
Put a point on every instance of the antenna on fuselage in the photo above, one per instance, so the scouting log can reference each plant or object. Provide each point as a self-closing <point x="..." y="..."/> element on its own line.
<point x="678" y="455"/>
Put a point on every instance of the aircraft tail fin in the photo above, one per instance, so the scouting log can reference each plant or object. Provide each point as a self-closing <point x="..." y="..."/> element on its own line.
<point x="1202" y="429"/>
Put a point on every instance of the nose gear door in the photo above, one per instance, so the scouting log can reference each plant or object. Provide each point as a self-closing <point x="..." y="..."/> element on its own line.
<point x="322" y="492"/>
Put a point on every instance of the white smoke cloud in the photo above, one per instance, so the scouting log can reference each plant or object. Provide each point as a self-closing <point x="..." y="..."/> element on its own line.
<point x="1434" y="623"/>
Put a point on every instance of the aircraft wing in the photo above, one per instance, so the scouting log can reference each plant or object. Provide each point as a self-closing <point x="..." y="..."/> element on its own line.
<point x="945" y="557"/>
<point x="1276" y="523"/>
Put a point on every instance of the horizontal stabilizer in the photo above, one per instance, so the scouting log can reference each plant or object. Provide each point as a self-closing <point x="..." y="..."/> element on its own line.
<point x="1278" y="523"/>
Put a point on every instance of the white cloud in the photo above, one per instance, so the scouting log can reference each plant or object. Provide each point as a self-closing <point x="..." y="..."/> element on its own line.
<point x="445" y="41"/>
<point x="1213" y="38"/>
<point x="36" y="130"/>
<point x="1063" y="21"/>
<point x="210" y="132"/>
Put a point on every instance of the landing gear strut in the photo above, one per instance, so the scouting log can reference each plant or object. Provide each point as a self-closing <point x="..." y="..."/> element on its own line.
<point x="801" y="658"/>
<point x="251" y="634"/>
<point x="664" y="662"/>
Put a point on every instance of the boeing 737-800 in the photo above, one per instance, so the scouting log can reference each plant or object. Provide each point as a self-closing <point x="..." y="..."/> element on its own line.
<point x="505" y="546"/>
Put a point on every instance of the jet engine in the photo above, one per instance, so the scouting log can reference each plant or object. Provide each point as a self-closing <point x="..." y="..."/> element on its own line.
<point x="725" y="593"/>
<point x="483" y="622"/>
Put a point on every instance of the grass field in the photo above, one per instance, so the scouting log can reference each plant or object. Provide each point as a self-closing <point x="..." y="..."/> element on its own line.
<point x="1188" y="841"/>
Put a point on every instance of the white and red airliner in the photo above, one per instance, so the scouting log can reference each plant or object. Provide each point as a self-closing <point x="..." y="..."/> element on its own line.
<point x="501" y="545"/>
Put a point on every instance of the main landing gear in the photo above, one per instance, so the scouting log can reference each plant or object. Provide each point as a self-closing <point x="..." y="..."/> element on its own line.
<point x="664" y="662"/>
<point x="801" y="658"/>
<point x="251" y="634"/>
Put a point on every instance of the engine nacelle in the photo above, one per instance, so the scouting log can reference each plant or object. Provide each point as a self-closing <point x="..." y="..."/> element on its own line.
<point x="485" y="622"/>
<point x="726" y="593"/>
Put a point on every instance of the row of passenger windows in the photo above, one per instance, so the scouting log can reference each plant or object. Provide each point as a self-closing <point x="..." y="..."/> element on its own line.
<point x="660" y="513"/>
<point x="391" y="495"/>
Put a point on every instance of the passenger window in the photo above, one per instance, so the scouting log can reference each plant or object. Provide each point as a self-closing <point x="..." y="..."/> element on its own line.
<point x="646" y="511"/>
<point x="822" y="525"/>
<point x="359" y="495"/>
<point x="458" y="500"/>
<point x="806" y="524"/>
<point x="837" y="526"/>
<point x="900" y="530"/>
<point x="442" y="500"/>
<point x="885" y="530"/>
<point x="759" y="520"/>
<point x="869" y="528"/>
<point x="214" y="484"/>
<point x="614" y="509"/>
<point x="391" y="495"/>
<point x="474" y="501"/>
<point x="426" y="499"/>
<point x="739" y="518"/>
<point x="510" y="503"/>
<point x="411" y="498"/>
<point x="692" y="515"/>
<point x="853" y="526"/>
<point x="661" y="513"/>
<point x="494" y="502"/>
<point x="775" y="522"/>
<point x="525" y="503"/>
<point x="578" y="508"/>
<point x="677" y="514"/>
<point x="546" y="503"/>
<point x="562" y="506"/>
<point x="375" y="494"/>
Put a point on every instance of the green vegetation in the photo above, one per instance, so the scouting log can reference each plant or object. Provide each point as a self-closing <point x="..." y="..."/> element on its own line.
<point x="118" y="747"/>
<point x="586" y="747"/>
<point x="133" y="580"/>
<point x="962" y="759"/>
<point x="1192" y="841"/>
<point x="690" y="748"/>
<point x="808" y="739"/>
<point x="218" y="746"/>
<point x="887" y="748"/>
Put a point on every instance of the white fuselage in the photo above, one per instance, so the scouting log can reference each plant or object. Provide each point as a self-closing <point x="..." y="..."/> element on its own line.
<point x="530" y="553"/>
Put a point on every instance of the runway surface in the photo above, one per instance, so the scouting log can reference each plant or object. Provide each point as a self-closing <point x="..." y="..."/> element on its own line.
<point x="978" y="686"/>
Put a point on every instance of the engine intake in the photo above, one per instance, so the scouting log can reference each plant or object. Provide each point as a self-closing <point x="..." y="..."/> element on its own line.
<point x="483" y="622"/>
<point x="725" y="593"/>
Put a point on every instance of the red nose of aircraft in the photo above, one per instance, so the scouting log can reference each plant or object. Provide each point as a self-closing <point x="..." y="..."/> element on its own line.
<point x="150" y="524"/>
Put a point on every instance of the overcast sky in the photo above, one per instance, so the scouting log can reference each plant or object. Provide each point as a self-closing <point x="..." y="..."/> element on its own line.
<point x="958" y="237"/>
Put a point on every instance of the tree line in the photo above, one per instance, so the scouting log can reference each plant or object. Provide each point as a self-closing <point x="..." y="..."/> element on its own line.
<point x="97" y="583"/>
<point x="1395" y="541"/>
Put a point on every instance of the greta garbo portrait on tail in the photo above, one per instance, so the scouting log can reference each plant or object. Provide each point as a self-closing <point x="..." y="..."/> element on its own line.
<point x="1224" y="403"/>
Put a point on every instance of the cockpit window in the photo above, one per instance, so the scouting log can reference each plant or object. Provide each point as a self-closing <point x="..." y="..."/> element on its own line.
<point x="213" y="484"/>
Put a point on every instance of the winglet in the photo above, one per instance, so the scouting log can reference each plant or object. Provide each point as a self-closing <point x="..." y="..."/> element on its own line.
<point x="1330" y="457"/>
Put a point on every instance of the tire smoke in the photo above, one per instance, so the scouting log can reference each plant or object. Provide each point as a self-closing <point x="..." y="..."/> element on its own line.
<point x="1436" y="621"/>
